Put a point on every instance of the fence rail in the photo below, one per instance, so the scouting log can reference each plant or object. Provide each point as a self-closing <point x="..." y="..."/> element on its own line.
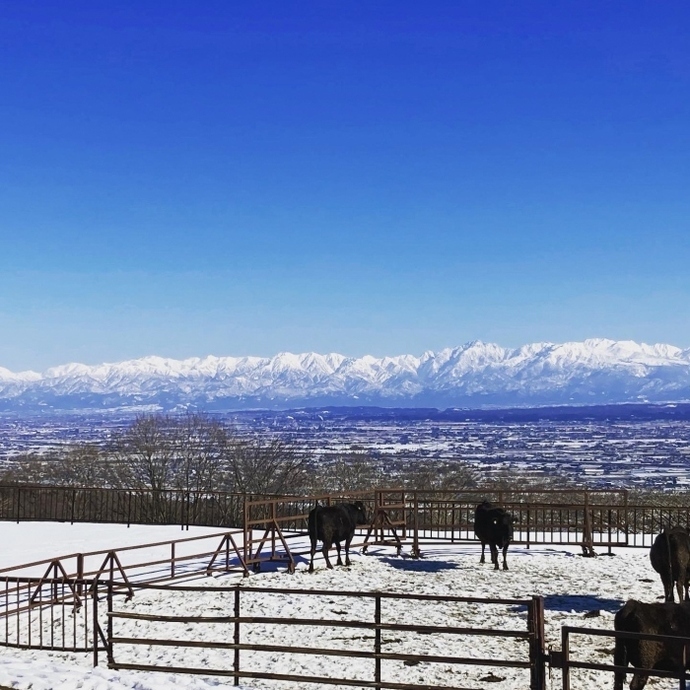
<point x="546" y="516"/>
<point x="590" y="518"/>
<point x="246" y="661"/>
<point x="563" y="658"/>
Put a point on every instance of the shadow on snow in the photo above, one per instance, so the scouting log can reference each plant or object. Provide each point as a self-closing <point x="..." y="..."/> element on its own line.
<point x="418" y="565"/>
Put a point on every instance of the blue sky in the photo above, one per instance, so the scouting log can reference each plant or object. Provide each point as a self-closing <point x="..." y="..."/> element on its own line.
<point x="185" y="179"/>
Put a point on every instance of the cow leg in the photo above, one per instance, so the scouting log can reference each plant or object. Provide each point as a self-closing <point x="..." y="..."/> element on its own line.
<point x="668" y="588"/>
<point x="348" y="541"/>
<point x="639" y="681"/>
<point x="682" y="583"/>
<point x="620" y="658"/>
<point x="311" y="559"/>
<point x="481" y="560"/>
<point x="337" y="548"/>
<point x="505" y="557"/>
<point x="494" y="555"/>
<point x="324" y="551"/>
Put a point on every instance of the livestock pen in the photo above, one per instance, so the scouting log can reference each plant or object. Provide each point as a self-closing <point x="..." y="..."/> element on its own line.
<point x="591" y="518"/>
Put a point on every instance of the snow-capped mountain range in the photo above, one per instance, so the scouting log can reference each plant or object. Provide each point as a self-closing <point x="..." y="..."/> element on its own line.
<point x="476" y="374"/>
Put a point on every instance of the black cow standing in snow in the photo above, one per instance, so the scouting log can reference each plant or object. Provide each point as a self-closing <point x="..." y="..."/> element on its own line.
<point x="333" y="524"/>
<point x="652" y="619"/>
<point x="670" y="557"/>
<point x="493" y="526"/>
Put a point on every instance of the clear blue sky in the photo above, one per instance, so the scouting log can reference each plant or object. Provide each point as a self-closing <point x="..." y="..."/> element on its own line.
<point x="236" y="178"/>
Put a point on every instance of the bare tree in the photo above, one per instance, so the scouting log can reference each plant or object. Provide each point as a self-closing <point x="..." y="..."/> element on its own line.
<point x="436" y="475"/>
<point x="145" y="453"/>
<point x="77" y="465"/>
<point x="199" y="462"/>
<point x="349" y="471"/>
<point x="266" y="468"/>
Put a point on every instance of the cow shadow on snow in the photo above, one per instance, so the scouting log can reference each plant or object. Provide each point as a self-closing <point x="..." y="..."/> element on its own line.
<point x="580" y="603"/>
<point x="418" y="565"/>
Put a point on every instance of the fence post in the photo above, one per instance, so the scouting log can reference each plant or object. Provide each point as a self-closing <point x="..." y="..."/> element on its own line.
<point x="415" y="538"/>
<point x="19" y="495"/>
<point x="80" y="574"/>
<point x="565" y="649"/>
<point x="273" y="528"/>
<point x="535" y="624"/>
<point x="587" y="539"/>
<point x="109" y="624"/>
<point x="95" y="622"/>
<point x="625" y="502"/>
<point x="377" y="641"/>
<point x="172" y="560"/>
<point x="236" y="662"/>
<point x="245" y="525"/>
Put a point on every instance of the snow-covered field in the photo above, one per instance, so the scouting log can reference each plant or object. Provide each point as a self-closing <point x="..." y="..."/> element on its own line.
<point x="572" y="586"/>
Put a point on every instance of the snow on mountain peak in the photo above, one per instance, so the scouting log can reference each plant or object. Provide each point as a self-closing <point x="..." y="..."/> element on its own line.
<point x="476" y="373"/>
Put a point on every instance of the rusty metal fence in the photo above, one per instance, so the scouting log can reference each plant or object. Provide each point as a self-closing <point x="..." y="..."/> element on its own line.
<point x="52" y="610"/>
<point x="87" y="504"/>
<point x="573" y="658"/>
<point x="588" y="518"/>
<point x="390" y="643"/>
<point x="604" y="518"/>
<point x="56" y="613"/>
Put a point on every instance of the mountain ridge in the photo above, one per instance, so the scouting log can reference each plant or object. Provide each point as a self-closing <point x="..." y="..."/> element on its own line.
<point x="476" y="374"/>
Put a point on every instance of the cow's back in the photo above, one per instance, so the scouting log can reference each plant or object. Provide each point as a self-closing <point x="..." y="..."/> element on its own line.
<point x="493" y="524"/>
<point x="330" y="522"/>
<point x="670" y="551"/>
<point x="670" y="557"/>
<point x="653" y="619"/>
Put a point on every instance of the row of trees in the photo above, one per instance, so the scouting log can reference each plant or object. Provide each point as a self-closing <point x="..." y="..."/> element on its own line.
<point x="199" y="453"/>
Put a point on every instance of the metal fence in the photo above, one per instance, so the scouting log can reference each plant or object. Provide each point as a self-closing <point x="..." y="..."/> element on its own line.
<point x="53" y="610"/>
<point x="56" y="613"/>
<point x="589" y="518"/>
<point x="87" y="504"/>
<point x="570" y="657"/>
<point x="385" y="653"/>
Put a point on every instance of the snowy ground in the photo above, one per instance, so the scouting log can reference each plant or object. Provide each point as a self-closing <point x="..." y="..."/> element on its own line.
<point x="572" y="586"/>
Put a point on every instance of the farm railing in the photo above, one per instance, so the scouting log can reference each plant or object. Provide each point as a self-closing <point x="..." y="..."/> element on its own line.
<point x="564" y="660"/>
<point x="59" y="584"/>
<point x="589" y="518"/>
<point x="282" y="522"/>
<point x="20" y="502"/>
<point x="384" y="668"/>
<point x="56" y="614"/>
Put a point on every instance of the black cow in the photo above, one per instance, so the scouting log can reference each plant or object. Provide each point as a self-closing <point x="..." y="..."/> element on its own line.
<point x="670" y="557"/>
<point x="493" y="526"/>
<point x="653" y="619"/>
<point x="333" y="524"/>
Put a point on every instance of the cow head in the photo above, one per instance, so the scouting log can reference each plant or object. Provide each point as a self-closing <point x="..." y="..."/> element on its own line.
<point x="360" y="513"/>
